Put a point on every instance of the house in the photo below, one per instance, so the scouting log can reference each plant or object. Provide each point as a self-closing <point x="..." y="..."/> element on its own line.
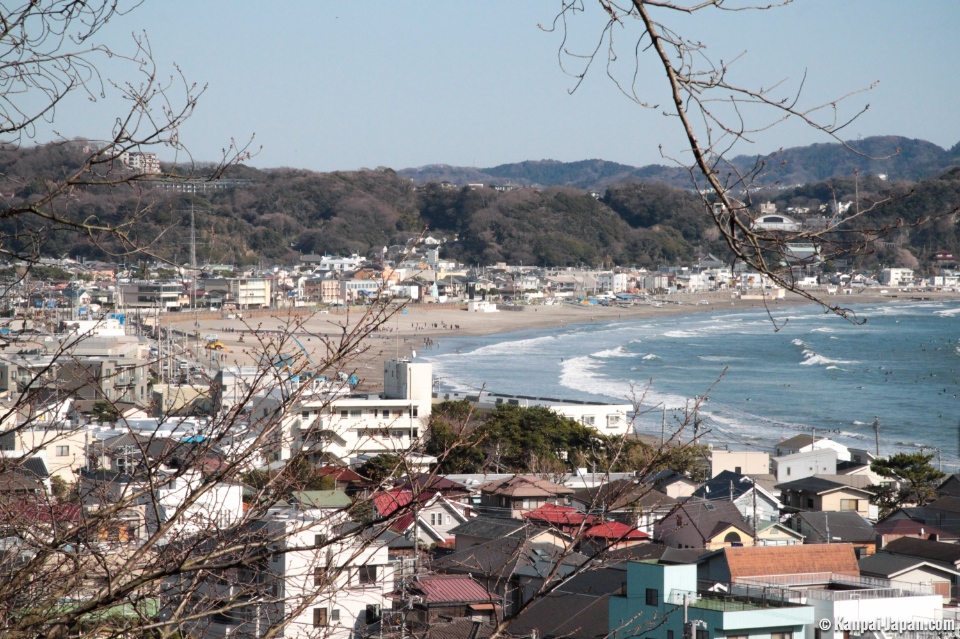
<point x="950" y="486"/>
<point x="424" y="600"/>
<point x="895" y="527"/>
<point x="329" y="500"/>
<point x="482" y="530"/>
<point x="503" y="565"/>
<point x="911" y="570"/>
<point x="818" y="461"/>
<point x="804" y="443"/>
<point x="699" y="523"/>
<point x="772" y="533"/>
<point x="731" y="565"/>
<point x="943" y="513"/>
<point x="563" y="518"/>
<point x="739" y="461"/>
<point x="935" y="551"/>
<point x="753" y="501"/>
<point x="820" y="494"/>
<point x="658" y="600"/>
<point x="610" y="535"/>
<point x="836" y="527"/>
<point x="520" y="494"/>
<point x="432" y="519"/>
<point x="628" y="501"/>
<point x="672" y="483"/>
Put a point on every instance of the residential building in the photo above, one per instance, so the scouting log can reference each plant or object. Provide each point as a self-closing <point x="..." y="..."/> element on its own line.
<point x="896" y="277"/>
<point x="845" y="527"/>
<point x="753" y="501"/>
<point x="804" y="443"/>
<point x="818" y="461"/>
<point x="520" y="494"/>
<point x="698" y="523"/>
<point x="821" y="494"/>
<point x="250" y="292"/>
<point x="739" y="461"/>
<point x="628" y="501"/>
<point x="158" y="296"/>
<point x="658" y="600"/>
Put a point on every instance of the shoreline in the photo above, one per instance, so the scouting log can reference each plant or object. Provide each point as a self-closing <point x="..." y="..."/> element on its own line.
<point x="418" y="326"/>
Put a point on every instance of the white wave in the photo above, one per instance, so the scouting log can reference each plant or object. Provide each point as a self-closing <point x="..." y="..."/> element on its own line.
<point x="824" y="329"/>
<point x="581" y="373"/>
<point x="514" y="347"/>
<point x="680" y="334"/>
<point x="814" y="359"/>
<point x="833" y="368"/>
<point x="798" y="342"/>
<point x="859" y="423"/>
<point x="650" y="356"/>
<point x="612" y="352"/>
<point x="719" y="358"/>
<point x="950" y="312"/>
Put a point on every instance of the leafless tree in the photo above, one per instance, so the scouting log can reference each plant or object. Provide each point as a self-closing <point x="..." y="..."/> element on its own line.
<point x="716" y="115"/>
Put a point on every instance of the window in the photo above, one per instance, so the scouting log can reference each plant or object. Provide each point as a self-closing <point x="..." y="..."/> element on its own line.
<point x="809" y="502"/>
<point x="653" y="597"/>
<point x="344" y="413"/>
<point x="732" y="538"/>
<point x="788" y="471"/>
<point x="319" y="575"/>
<point x="845" y="504"/>
<point x="738" y="470"/>
<point x="702" y="634"/>
<point x="386" y="413"/>
<point x="781" y="635"/>
<point x="415" y="411"/>
<point x="305" y="414"/>
<point x="589" y="420"/>
<point x="436" y="519"/>
<point x="669" y="634"/>
<point x="63" y="451"/>
<point x="319" y="617"/>
<point x="356" y="412"/>
<point x="335" y="614"/>
<point x="613" y="421"/>
<point x="367" y="575"/>
<point x="319" y="540"/>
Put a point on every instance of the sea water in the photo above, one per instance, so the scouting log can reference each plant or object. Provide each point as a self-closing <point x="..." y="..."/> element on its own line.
<point x="761" y="379"/>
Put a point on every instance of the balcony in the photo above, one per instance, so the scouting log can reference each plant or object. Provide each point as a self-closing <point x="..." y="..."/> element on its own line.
<point x="736" y="597"/>
<point x="839" y="587"/>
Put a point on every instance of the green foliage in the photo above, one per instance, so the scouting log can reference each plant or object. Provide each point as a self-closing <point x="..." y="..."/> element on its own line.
<point x="537" y="440"/>
<point x="104" y="411"/>
<point x="917" y="477"/>
<point x="381" y="467"/>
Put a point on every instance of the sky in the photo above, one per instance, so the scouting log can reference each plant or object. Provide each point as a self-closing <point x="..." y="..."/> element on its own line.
<point x="343" y="85"/>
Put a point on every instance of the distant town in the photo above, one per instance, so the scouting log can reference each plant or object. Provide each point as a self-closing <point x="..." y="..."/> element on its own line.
<point x="121" y="406"/>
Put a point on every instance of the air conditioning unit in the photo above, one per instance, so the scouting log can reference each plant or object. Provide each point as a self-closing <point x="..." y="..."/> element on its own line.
<point x="373" y="613"/>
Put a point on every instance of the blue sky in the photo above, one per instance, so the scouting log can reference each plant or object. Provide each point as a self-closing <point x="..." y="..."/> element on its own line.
<point x="343" y="85"/>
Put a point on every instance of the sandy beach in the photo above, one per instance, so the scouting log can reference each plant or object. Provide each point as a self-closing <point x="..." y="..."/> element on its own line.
<point x="402" y="331"/>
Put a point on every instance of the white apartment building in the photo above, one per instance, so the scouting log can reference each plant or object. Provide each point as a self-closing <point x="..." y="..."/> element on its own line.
<point x="250" y="292"/>
<point x="612" y="282"/>
<point x="334" y="425"/>
<point x="320" y="581"/>
<point x="896" y="276"/>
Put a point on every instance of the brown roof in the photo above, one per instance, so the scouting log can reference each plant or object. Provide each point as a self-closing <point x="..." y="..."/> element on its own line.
<point x="757" y="561"/>
<point x="436" y="589"/>
<point x="524" y="486"/>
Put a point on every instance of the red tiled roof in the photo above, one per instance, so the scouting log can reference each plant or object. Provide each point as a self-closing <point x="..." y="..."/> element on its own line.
<point x="450" y="589"/>
<point x="341" y="474"/>
<point x="558" y="515"/>
<point x="615" y="530"/>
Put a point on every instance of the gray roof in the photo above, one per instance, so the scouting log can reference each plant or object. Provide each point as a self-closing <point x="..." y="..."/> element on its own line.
<point x="925" y="549"/>
<point x="816" y="485"/>
<point x="887" y="565"/>
<point x="490" y="528"/>
<point x="565" y="615"/>
<point x="844" y="526"/>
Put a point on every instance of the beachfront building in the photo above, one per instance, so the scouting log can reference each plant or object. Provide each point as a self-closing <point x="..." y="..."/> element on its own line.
<point x="739" y="461"/>
<point x="346" y="428"/>
<point x="612" y="420"/>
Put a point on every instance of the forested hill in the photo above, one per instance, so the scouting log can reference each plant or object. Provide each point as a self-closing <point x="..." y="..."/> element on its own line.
<point x="916" y="159"/>
<point x="283" y="213"/>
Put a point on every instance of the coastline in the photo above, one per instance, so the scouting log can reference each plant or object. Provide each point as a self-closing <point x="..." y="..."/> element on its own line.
<point x="416" y="326"/>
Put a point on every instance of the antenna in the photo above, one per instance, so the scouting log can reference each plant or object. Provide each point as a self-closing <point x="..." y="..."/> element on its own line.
<point x="193" y="257"/>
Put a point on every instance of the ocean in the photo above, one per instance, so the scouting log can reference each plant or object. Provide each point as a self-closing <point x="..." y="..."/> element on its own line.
<point x="819" y="371"/>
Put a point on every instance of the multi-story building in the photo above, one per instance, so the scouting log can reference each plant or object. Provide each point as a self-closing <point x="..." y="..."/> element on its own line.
<point x="250" y="292"/>
<point x="164" y="296"/>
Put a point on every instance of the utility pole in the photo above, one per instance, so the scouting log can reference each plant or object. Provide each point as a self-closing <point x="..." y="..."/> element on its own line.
<point x="876" y="432"/>
<point x="663" y="426"/>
